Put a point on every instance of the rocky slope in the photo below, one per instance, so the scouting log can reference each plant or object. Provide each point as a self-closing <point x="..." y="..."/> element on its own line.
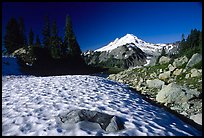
<point x="176" y="83"/>
<point x="124" y="56"/>
<point x="128" y="51"/>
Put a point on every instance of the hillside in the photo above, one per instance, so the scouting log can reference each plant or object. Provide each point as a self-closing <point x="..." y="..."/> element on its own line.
<point x="175" y="83"/>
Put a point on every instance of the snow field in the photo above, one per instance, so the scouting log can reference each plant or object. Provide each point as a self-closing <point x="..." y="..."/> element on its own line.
<point x="31" y="104"/>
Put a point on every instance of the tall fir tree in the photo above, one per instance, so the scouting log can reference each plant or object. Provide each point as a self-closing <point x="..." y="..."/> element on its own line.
<point x="11" y="38"/>
<point x="22" y="35"/>
<point x="200" y="42"/>
<point x="55" y="41"/>
<point x="46" y="32"/>
<point x="37" y="43"/>
<point x="70" y="42"/>
<point x="31" y="37"/>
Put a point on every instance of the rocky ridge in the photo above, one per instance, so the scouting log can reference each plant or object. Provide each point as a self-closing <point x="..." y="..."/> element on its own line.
<point x="128" y="51"/>
<point x="172" y="82"/>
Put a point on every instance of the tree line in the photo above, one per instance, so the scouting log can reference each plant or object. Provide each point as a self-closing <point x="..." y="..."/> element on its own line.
<point x="192" y="44"/>
<point x="15" y="38"/>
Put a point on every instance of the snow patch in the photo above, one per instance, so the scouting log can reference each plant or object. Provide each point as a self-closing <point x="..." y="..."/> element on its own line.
<point x="31" y="104"/>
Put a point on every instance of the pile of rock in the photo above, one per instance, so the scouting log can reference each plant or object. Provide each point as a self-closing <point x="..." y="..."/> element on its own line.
<point x="176" y="85"/>
<point x="109" y="123"/>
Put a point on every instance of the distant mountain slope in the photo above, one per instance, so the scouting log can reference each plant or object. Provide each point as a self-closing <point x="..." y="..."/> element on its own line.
<point x="148" y="48"/>
<point x="128" y="51"/>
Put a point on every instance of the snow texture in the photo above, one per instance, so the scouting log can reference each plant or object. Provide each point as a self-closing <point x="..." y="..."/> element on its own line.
<point x="31" y="106"/>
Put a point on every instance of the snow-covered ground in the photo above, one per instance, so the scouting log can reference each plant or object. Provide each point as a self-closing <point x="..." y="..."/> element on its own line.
<point x="31" y="104"/>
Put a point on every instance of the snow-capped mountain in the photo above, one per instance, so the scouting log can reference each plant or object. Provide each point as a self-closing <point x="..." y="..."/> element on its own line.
<point x="130" y="50"/>
<point x="148" y="48"/>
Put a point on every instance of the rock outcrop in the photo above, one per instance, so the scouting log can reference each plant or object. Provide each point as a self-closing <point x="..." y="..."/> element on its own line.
<point x="109" y="123"/>
<point x="175" y="94"/>
<point x="180" y="61"/>
<point x="156" y="83"/>
<point x="197" y="118"/>
<point x="196" y="58"/>
<point x="164" y="60"/>
<point x="171" y="84"/>
<point x="124" y="56"/>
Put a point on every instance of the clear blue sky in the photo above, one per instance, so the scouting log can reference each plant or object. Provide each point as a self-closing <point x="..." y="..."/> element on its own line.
<point x="97" y="23"/>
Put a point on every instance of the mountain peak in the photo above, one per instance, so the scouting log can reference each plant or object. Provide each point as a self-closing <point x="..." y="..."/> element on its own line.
<point x="128" y="38"/>
<point x="150" y="48"/>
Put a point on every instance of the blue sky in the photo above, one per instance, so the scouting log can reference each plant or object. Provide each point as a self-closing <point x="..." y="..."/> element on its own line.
<point x="97" y="23"/>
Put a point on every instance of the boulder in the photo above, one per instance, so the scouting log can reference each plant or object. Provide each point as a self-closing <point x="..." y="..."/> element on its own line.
<point x="180" y="61"/>
<point x="187" y="76"/>
<point x="195" y="73"/>
<point x="196" y="58"/>
<point x="156" y="83"/>
<point x="107" y="122"/>
<point x="176" y="94"/>
<point x="177" y="72"/>
<point x="164" y="60"/>
<point x="197" y="118"/>
<point x="153" y="75"/>
<point x="171" y="67"/>
<point x="19" y="52"/>
<point x="165" y="75"/>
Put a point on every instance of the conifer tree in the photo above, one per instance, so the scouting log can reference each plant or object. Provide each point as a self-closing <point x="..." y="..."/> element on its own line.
<point x="70" y="42"/>
<point x="37" y="43"/>
<point x="31" y="37"/>
<point x="22" y="36"/>
<point x="11" y="38"/>
<point x="46" y="32"/>
<point x="55" y="41"/>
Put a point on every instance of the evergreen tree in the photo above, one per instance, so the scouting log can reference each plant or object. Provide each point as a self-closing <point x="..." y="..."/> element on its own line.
<point x="54" y="29"/>
<point x="11" y="38"/>
<point x="191" y="45"/>
<point x="200" y="42"/>
<point x="31" y="37"/>
<point x="163" y="52"/>
<point x="22" y="35"/>
<point x="37" y="43"/>
<point x="183" y="38"/>
<point x="71" y="45"/>
<point x="46" y="33"/>
<point x="55" y="41"/>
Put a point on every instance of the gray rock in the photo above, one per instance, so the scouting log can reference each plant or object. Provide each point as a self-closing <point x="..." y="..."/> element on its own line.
<point x="180" y="61"/>
<point x="113" y="125"/>
<point x="174" y="93"/>
<point x="187" y="76"/>
<point x="156" y="83"/>
<point x="165" y="75"/>
<point x="153" y="75"/>
<point x="195" y="73"/>
<point x="107" y="122"/>
<point x="164" y="60"/>
<point x="177" y="72"/>
<point x="197" y="118"/>
<point x="196" y="58"/>
<point x="152" y="60"/>
<point x="171" y="67"/>
<point x="19" y="52"/>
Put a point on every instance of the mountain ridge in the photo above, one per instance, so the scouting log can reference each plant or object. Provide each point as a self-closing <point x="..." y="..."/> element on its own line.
<point x="149" y="48"/>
